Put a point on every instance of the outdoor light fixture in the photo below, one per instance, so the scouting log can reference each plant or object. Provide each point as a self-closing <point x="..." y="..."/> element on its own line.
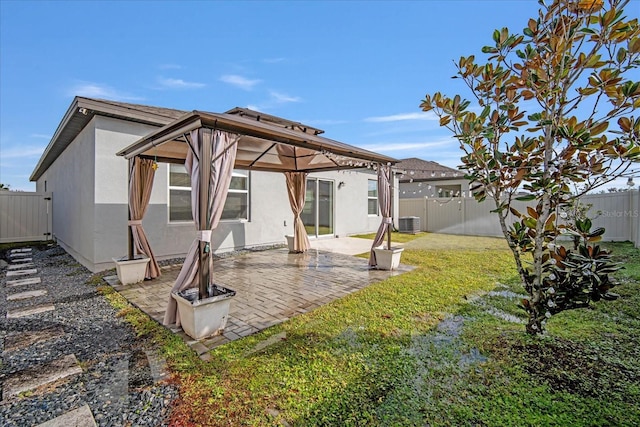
<point x="341" y="184"/>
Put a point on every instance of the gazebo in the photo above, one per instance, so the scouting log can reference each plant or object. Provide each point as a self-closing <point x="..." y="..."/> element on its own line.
<point x="211" y="145"/>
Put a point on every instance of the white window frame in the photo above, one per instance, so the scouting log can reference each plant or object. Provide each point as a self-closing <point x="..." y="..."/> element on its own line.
<point x="236" y="172"/>
<point x="369" y="198"/>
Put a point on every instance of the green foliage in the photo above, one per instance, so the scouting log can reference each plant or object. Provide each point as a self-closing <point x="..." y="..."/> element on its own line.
<point x="572" y="69"/>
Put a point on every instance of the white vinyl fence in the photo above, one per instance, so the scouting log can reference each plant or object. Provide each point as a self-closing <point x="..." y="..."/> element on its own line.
<point x="618" y="213"/>
<point x="25" y="216"/>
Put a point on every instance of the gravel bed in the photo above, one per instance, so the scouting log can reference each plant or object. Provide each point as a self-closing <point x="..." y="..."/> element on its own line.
<point x="115" y="382"/>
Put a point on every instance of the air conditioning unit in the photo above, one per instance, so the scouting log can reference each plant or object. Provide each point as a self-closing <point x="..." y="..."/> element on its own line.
<point x="409" y="224"/>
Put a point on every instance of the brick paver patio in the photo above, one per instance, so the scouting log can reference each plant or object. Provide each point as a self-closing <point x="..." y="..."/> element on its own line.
<point x="271" y="286"/>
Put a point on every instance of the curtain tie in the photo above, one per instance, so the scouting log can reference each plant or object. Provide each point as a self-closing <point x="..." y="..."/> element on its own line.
<point x="135" y="222"/>
<point x="204" y="236"/>
<point x="386" y="220"/>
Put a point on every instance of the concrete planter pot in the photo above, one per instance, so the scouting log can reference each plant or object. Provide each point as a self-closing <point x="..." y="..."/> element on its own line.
<point x="205" y="317"/>
<point x="290" y="240"/>
<point x="388" y="259"/>
<point x="131" y="270"/>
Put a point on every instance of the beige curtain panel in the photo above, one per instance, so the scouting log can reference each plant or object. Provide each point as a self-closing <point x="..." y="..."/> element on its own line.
<point x="296" y="188"/>
<point x="384" y="201"/>
<point x="222" y="158"/>
<point x="141" y="173"/>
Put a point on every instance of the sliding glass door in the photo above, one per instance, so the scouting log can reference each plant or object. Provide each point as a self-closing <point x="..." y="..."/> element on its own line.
<point x="317" y="214"/>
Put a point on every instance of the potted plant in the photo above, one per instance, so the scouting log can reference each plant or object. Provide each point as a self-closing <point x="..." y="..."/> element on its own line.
<point x="205" y="317"/>
<point x="131" y="270"/>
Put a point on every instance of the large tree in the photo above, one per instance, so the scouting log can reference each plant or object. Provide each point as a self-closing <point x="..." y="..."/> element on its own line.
<point x="553" y="117"/>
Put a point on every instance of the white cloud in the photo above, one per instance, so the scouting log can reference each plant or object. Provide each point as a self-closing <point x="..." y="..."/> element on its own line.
<point x="324" y="122"/>
<point x="402" y="117"/>
<point x="239" y="81"/>
<point x="40" y="136"/>
<point x="274" y="60"/>
<point x="21" y="152"/>
<point x="282" y="98"/>
<point x="99" y="90"/>
<point x="179" y="84"/>
<point x="387" y="147"/>
<point x="170" y="67"/>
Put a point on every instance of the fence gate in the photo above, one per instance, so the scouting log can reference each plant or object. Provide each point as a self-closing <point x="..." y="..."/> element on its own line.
<point x="25" y="216"/>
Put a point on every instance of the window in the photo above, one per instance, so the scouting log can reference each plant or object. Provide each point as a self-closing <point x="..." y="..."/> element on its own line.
<point x="372" y="197"/>
<point x="236" y="206"/>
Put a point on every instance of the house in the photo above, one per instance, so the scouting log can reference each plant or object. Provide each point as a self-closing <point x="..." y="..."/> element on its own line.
<point x="423" y="178"/>
<point x="89" y="186"/>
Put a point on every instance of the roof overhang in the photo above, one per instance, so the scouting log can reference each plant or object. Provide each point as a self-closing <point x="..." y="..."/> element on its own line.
<point x="79" y="114"/>
<point x="263" y="145"/>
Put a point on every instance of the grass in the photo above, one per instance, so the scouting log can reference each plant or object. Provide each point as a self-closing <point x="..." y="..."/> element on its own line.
<point x="378" y="358"/>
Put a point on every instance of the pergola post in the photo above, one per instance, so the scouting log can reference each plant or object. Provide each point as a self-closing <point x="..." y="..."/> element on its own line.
<point x="205" y="247"/>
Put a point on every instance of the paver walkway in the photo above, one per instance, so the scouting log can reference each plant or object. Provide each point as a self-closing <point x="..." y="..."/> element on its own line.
<point x="271" y="286"/>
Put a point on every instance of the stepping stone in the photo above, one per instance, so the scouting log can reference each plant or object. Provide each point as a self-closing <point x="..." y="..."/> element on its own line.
<point x="21" y="260"/>
<point x="14" y="273"/>
<point x="81" y="417"/>
<point x="20" y="340"/>
<point x="21" y="266"/>
<point x="29" y="311"/>
<point x="25" y="295"/>
<point x="19" y="250"/>
<point x="32" y="378"/>
<point x="157" y="365"/>
<point x="19" y="255"/>
<point x="20" y="282"/>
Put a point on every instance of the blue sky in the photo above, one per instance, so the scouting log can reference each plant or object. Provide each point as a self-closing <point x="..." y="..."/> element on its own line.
<point x="358" y="70"/>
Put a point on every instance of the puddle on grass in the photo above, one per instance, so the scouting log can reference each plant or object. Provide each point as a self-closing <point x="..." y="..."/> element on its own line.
<point x="504" y="315"/>
<point x="506" y="294"/>
<point x="440" y="360"/>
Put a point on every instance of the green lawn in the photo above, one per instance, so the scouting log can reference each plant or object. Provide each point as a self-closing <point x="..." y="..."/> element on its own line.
<point x="437" y="346"/>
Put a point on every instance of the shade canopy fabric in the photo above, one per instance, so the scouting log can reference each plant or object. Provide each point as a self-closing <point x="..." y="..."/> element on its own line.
<point x="141" y="173"/>
<point x="296" y="189"/>
<point x="384" y="201"/>
<point x="266" y="143"/>
<point x="210" y="165"/>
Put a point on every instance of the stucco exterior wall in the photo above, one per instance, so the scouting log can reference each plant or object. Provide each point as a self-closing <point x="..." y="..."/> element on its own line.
<point x="89" y="184"/>
<point x="71" y="181"/>
<point x="111" y="182"/>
